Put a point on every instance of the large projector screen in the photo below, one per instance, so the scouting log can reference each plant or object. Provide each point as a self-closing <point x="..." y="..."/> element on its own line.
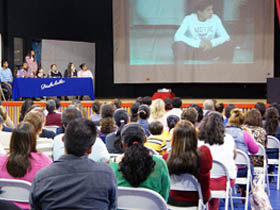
<point x="195" y="41"/>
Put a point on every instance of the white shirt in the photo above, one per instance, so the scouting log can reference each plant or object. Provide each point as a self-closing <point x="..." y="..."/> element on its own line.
<point x="174" y="111"/>
<point x="224" y="153"/>
<point x="192" y="31"/>
<point x="99" y="151"/>
<point x="85" y="74"/>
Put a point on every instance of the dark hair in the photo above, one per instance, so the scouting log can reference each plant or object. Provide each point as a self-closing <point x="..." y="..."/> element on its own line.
<point x="57" y="103"/>
<point x="96" y="107"/>
<point x="118" y="103"/>
<point x="190" y="114"/>
<point x="201" y="5"/>
<point x="156" y="128"/>
<point x="176" y="102"/>
<point x="4" y="61"/>
<point x="139" y="100"/>
<point x="137" y="163"/>
<point x="29" y="53"/>
<point x="228" y="109"/>
<point x="184" y="156"/>
<point x="107" y="110"/>
<point x="53" y="65"/>
<point x="219" y="107"/>
<point x="79" y="136"/>
<point x="271" y="121"/>
<point x="82" y="65"/>
<point x="144" y="112"/>
<point x="261" y="107"/>
<point x="199" y="111"/>
<point x="69" y="70"/>
<point x="50" y="105"/>
<point x="22" y="141"/>
<point x="121" y="118"/>
<point x="275" y="105"/>
<point x="172" y="121"/>
<point x="27" y="103"/>
<point x="168" y="104"/>
<point x="71" y="113"/>
<point x="254" y="118"/>
<point x="107" y="125"/>
<point x="147" y="100"/>
<point x="134" y="112"/>
<point x="212" y="129"/>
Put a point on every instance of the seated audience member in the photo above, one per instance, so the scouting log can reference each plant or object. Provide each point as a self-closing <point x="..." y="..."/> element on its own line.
<point x="107" y="124"/>
<point x="5" y="138"/>
<point x="53" y="118"/>
<point x="190" y="114"/>
<point x="272" y="122"/>
<point x="139" y="100"/>
<point x="212" y="134"/>
<point x="261" y="107"/>
<point x="31" y="61"/>
<point x="6" y="77"/>
<point x="219" y="107"/>
<point x="134" y="112"/>
<point x="78" y="105"/>
<point x="85" y="72"/>
<point x="7" y="122"/>
<point x="54" y="73"/>
<point x="144" y="114"/>
<point x="70" y="71"/>
<point x="23" y="161"/>
<point x="199" y="112"/>
<point x="40" y="73"/>
<point x="228" y="110"/>
<point x="57" y="105"/>
<point x="96" y="117"/>
<point x="24" y="107"/>
<point x="168" y="104"/>
<point x="118" y="103"/>
<point x="137" y="167"/>
<point x="158" y="113"/>
<point x="8" y="205"/>
<point x="147" y="100"/>
<point x="25" y="72"/>
<point x="113" y="140"/>
<point x="99" y="152"/>
<point x="177" y="108"/>
<point x="172" y="120"/>
<point x="208" y="106"/>
<point x="89" y="185"/>
<point x="186" y="157"/>
<point x="156" y="140"/>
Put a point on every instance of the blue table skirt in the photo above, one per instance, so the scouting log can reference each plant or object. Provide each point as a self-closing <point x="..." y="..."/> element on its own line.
<point x="37" y="87"/>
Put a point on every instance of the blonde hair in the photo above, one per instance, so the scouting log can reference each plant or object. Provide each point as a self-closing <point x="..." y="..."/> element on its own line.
<point x="157" y="109"/>
<point x="236" y="118"/>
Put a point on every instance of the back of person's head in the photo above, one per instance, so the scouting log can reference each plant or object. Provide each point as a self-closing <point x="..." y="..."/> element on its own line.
<point x="107" y="125"/>
<point x="147" y="100"/>
<point x="184" y="156"/>
<point x="228" y="109"/>
<point x="275" y="105"/>
<point x="57" y="103"/>
<point x="137" y="163"/>
<point x="190" y="114"/>
<point x="212" y="129"/>
<point x="157" y="109"/>
<point x="168" y="104"/>
<point x="50" y="105"/>
<point x="271" y="121"/>
<point x="201" y="5"/>
<point x="36" y="120"/>
<point x="107" y="110"/>
<point x="121" y="117"/>
<point x="208" y="105"/>
<point x="199" y="112"/>
<point x="176" y="102"/>
<point x="23" y="142"/>
<point x="69" y="114"/>
<point x="24" y="107"/>
<point x="118" y="103"/>
<point x="253" y="118"/>
<point x="156" y="128"/>
<point x="96" y="107"/>
<point x="219" y="107"/>
<point x="79" y="136"/>
<point x="261" y="107"/>
<point x="134" y="112"/>
<point x="144" y="112"/>
<point x="172" y="121"/>
<point x="139" y="100"/>
<point x="236" y="117"/>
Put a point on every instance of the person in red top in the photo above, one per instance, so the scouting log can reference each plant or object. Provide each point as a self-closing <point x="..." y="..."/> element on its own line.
<point x="186" y="157"/>
<point x="53" y="118"/>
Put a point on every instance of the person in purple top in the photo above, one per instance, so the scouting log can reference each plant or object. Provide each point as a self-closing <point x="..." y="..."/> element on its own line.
<point x="25" y="72"/>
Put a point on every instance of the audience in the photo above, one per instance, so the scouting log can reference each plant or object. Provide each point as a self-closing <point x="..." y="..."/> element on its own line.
<point x="261" y="107"/>
<point x="96" y="117"/>
<point x="5" y="138"/>
<point x="118" y="103"/>
<point x="227" y="112"/>
<point x="144" y="114"/>
<point x="137" y="167"/>
<point x="199" y="112"/>
<point x="53" y="118"/>
<point x="23" y="161"/>
<point x="134" y="112"/>
<point x="177" y="108"/>
<point x="190" y="114"/>
<point x="147" y="100"/>
<point x="168" y="104"/>
<point x="272" y="122"/>
<point x="158" y="112"/>
<point x="24" y="107"/>
<point x="107" y="124"/>
<point x="208" y="106"/>
<point x="219" y="107"/>
<point x="74" y="181"/>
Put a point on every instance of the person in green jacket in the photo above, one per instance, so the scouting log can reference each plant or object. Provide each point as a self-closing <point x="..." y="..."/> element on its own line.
<point x="137" y="167"/>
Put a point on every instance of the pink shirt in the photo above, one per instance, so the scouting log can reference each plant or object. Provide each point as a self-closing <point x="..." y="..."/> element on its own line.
<point x="252" y="145"/>
<point x="85" y="74"/>
<point x="37" y="160"/>
<point x="32" y="63"/>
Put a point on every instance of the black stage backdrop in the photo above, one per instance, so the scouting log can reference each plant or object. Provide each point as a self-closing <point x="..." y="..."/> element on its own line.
<point x="91" y="21"/>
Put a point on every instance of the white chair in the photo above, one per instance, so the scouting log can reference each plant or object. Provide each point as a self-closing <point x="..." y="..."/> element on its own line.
<point x="14" y="190"/>
<point x="243" y="159"/>
<point x="262" y="170"/>
<point x="45" y="146"/>
<point x="186" y="182"/>
<point x="51" y="128"/>
<point x="219" y="170"/>
<point x="274" y="143"/>
<point x="130" y="198"/>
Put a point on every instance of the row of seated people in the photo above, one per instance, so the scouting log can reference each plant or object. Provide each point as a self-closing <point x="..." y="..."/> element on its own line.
<point x="136" y="166"/>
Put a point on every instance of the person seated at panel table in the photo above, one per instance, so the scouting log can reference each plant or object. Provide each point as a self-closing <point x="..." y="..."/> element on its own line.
<point x="70" y="71"/>
<point x="25" y="72"/>
<point x="84" y="72"/>
<point x="40" y="73"/>
<point x="54" y="73"/>
<point x="202" y="36"/>
<point x="6" y="77"/>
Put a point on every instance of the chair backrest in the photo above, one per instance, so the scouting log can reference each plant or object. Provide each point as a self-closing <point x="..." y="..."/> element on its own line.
<point x="218" y="170"/>
<point x="242" y="158"/>
<point x="261" y="151"/>
<point x="45" y="146"/>
<point x="51" y="128"/>
<point x="140" y="199"/>
<point x="14" y="190"/>
<point x="273" y="142"/>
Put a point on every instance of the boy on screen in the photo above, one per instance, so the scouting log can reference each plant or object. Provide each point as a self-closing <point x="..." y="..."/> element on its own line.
<point x="202" y="36"/>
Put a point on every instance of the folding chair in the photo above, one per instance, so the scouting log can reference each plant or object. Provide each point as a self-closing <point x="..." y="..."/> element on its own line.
<point x="45" y="146"/>
<point x="140" y="199"/>
<point x="14" y="190"/>
<point x="2" y="93"/>
<point x="219" y="170"/>
<point x="51" y="128"/>
<point x="274" y="143"/>
<point x="186" y="182"/>
<point x="243" y="159"/>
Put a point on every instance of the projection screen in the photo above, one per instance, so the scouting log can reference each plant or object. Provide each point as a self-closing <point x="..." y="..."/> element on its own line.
<point x="178" y="41"/>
